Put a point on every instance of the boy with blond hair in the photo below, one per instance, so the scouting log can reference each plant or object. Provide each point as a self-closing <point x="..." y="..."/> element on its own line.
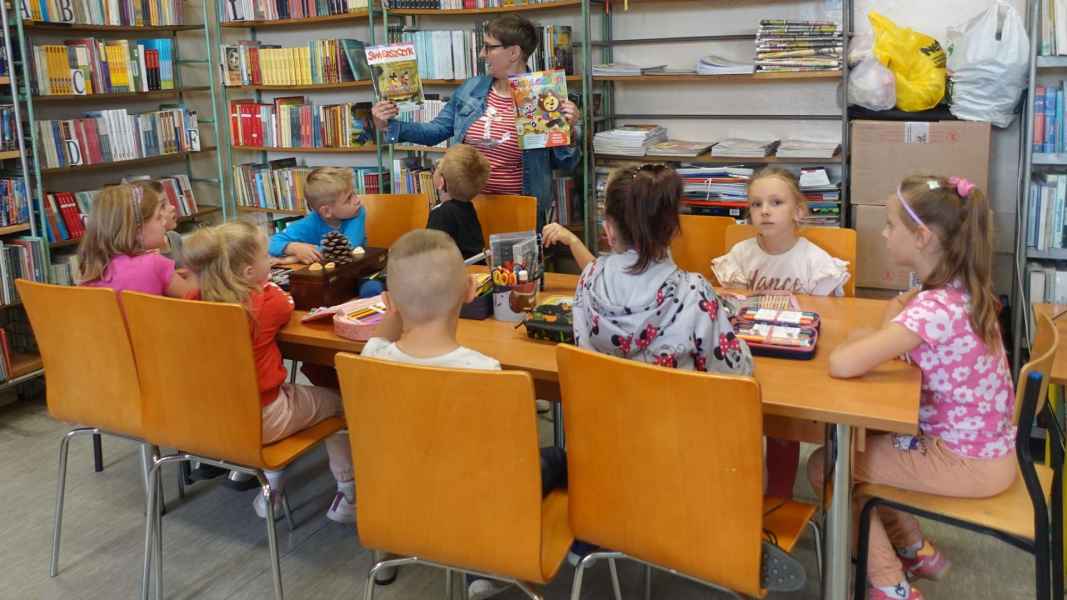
<point x="428" y="284"/>
<point x="460" y="176"/>
<point x="333" y="206"/>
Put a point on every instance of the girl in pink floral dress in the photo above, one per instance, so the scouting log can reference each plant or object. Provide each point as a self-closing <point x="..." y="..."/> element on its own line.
<point x="941" y="229"/>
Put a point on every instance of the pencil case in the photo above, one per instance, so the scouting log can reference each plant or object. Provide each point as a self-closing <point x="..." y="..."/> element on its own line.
<point x="552" y="320"/>
<point x="358" y="319"/>
<point x="784" y="334"/>
<point x="479" y="309"/>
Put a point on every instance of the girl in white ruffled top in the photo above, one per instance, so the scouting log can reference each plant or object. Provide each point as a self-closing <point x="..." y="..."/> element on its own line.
<point x="778" y="258"/>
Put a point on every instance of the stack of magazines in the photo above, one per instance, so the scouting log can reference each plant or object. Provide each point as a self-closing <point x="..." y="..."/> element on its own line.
<point x="784" y="45"/>
<point x="742" y="148"/>
<point x="628" y="140"/>
<point x="715" y="191"/>
<point x="622" y="69"/>
<point x="678" y="148"/>
<point x="798" y="148"/>
<point x="717" y="65"/>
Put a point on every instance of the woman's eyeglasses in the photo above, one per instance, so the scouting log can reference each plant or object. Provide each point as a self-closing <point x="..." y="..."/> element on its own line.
<point x="489" y="47"/>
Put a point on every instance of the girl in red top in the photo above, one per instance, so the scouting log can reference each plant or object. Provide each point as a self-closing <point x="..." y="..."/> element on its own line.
<point x="232" y="265"/>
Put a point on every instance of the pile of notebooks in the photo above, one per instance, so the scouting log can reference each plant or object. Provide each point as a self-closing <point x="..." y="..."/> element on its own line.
<point x="823" y="196"/>
<point x="628" y="140"/>
<point x="742" y="148"/>
<point x="678" y="148"/>
<point x="715" y="191"/>
<point x="797" y="148"/>
<point x="791" y="46"/>
<point x="717" y="65"/>
<point x="622" y="69"/>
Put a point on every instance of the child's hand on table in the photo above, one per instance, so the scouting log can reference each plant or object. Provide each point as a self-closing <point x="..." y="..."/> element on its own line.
<point x="305" y="253"/>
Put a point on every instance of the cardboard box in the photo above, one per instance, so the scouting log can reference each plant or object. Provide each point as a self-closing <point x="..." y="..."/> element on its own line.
<point x="885" y="152"/>
<point x="873" y="267"/>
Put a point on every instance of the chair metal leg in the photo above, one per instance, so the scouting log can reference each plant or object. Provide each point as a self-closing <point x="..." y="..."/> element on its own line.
<point x="181" y="480"/>
<point x="61" y="489"/>
<point x="157" y="515"/>
<point x="529" y="591"/>
<point x="149" y="532"/>
<point x="368" y="593"/>
<point x="558" y="439"/>
<point x="1042" y="556"/>
<point x="448" y="584"/>
<point x="614" y="579"/>
<point x="272" y="536"/>
<point x="816" y="535"/>
<point x="288" y="511"/>
<point x="648" y="582"/>
<point x="860" y="589"/>
<point x="1057" y="528"/>
<point x="98" y="453"/>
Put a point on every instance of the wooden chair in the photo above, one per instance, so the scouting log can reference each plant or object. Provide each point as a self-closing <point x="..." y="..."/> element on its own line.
<point x="448" y="471"/>
<point x="667" y="470"/>
<point x="1019" y="515"/>
<point x="701" y="239"/>
<point x="200" y="390"/>
<point x="99" y="390"/>
<point x="390" y="216"/>
<point x="838" y="242"/>
<point x="505" y="214"/>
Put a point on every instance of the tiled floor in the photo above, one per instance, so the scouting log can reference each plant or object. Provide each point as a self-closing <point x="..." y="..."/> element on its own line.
<point x="216" y="547"/>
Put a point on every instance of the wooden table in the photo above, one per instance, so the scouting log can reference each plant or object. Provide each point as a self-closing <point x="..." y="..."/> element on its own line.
<point x="886" y="399"/>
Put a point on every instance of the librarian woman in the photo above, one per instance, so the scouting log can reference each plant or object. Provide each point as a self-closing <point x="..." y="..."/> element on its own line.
<point x="481" y="113"/>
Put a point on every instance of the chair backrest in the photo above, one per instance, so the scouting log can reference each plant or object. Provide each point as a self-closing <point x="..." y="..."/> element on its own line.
<point x="390" y="216"/>
<point x="838" y="242"/>
<point x="505" y="213"/>
<point x="198" y="377"/>
<point x="447" y="463"/>
<point x="88" y="360"/>
<point x="1042" y="356"/>
<point x="667" y="468"/>
<point x="701" y="239"/>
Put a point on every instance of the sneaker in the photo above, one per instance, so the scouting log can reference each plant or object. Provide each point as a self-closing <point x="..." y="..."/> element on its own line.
<point x="341" y="510"/>
<point x="260" y="506"/>
<point x="480" y="589"/>
<point x="913" y="593"/>
<point x="578" y="551"/>
<point x="543" y="406"/>
<point x="928" y="563"/>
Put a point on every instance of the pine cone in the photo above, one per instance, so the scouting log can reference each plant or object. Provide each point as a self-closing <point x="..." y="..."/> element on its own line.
<point x="336" y="248"/>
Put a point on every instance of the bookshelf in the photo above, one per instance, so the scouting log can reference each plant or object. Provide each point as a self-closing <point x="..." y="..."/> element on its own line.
<point x="193" y="89"/>
<point x="268" y="31"/>
<point x="718" y="35"/>
<point x="485" y="11"/>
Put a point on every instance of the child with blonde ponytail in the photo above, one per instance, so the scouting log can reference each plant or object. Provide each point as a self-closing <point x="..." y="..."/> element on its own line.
<point x="126" y="224"/>
<point x="232" y="265"/>
<point x="940" y="228"/>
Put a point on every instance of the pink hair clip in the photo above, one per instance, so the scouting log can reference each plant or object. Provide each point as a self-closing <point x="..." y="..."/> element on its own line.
<point x="964" y="187"/>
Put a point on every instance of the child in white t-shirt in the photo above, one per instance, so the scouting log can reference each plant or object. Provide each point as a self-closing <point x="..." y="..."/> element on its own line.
<point x="428" y="284"/>
<point x="778" y="258"/>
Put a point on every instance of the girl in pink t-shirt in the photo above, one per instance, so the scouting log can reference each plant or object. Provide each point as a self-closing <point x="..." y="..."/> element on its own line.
<point x="126" y="225"/>
<point x="941" y="229"/>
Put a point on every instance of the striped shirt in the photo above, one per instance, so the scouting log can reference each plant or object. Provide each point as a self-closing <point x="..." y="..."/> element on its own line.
<point x="495" y="136"/>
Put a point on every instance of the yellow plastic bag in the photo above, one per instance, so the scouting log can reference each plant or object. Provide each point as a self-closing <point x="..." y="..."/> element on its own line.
<point x="916" y="60"/>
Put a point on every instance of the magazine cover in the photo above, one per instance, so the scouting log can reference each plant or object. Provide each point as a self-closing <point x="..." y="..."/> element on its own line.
<point x="539" y="118"/>
<point x="395" y="75"/>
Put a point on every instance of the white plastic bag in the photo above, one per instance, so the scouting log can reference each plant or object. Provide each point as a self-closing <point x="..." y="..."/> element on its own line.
<point x="872" y="86"/>
<point x="988" y="63"/>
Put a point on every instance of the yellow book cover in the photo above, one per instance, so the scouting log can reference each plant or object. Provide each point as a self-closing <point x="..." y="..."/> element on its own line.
<point x="305" y="65"/>
<point x="123" y="55"/>
<point x="116" y="67"/>
<point x="49" y="53"/>
<point x="61" y="69"/>
<point x="275" y="68"/>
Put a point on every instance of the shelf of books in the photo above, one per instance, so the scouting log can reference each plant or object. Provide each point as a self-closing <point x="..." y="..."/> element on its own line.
<point x="471" y="7"/>
<point x="717" y="168"/>
<point x="351" y="17"/>
<point x="108" y="98"/>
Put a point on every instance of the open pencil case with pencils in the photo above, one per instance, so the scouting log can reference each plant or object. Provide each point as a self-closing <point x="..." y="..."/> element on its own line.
<point x="354" y="320"/>
<point x="778" y="333"/>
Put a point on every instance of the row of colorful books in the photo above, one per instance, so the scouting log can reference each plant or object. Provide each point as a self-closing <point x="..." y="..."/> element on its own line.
<point x="117" y="135"/>
<point x="14" y="201"/>
<point x="65" y="212"/>
<point x="21" y="258"/>
<point x="293" y="122"/>
<point x="8" y="130"/>
<point x="458" y="4"/>
<point x="250" y="62"/>
<point x="1048" y="118"/>
<point x="786" y="45"/>
<point x="1053" y="29"/>
<point x="105" y="12"/>
<point x="274" y="10"/>
<point x="1047" y="225"/>
<point x="414" y="176"/>
<point x="89" y="66"/>
<point x="279" y="184"/>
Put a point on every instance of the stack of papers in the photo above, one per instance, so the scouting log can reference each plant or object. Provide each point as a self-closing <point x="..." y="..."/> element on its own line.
<point x="823" y="196"/>
<point x="742" y="148"/>
<point x="622" y="69"/>
<point x="629" y="140"/>
<point x="670" y="71"/>
<point x="717" y="65"/>
<point x="679" y="148"/>
<point x="784" y="45"/>
<point x="797" y="148"/>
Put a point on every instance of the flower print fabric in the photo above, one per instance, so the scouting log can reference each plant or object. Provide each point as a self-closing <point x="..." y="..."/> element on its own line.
<point x="967" y="395"/>
<point x="663" y="316"/>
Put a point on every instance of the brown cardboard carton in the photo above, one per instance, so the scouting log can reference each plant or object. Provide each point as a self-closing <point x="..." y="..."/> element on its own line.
<point x="885" y="152"/>
<point x="873" y="268"/>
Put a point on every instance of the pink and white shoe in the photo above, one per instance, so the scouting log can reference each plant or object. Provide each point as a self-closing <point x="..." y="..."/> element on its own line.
<point x="928" y="563"/>
<point x="341" y="510"/>
<point x="903" y="593"/>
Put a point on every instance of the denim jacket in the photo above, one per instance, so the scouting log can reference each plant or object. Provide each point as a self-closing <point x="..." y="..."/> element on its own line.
<point x="465" y="107"/>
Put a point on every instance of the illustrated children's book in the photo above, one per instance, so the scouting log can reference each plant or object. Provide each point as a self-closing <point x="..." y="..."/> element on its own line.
<point x="395" y="75"/>
<point x="539" y="117"/>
